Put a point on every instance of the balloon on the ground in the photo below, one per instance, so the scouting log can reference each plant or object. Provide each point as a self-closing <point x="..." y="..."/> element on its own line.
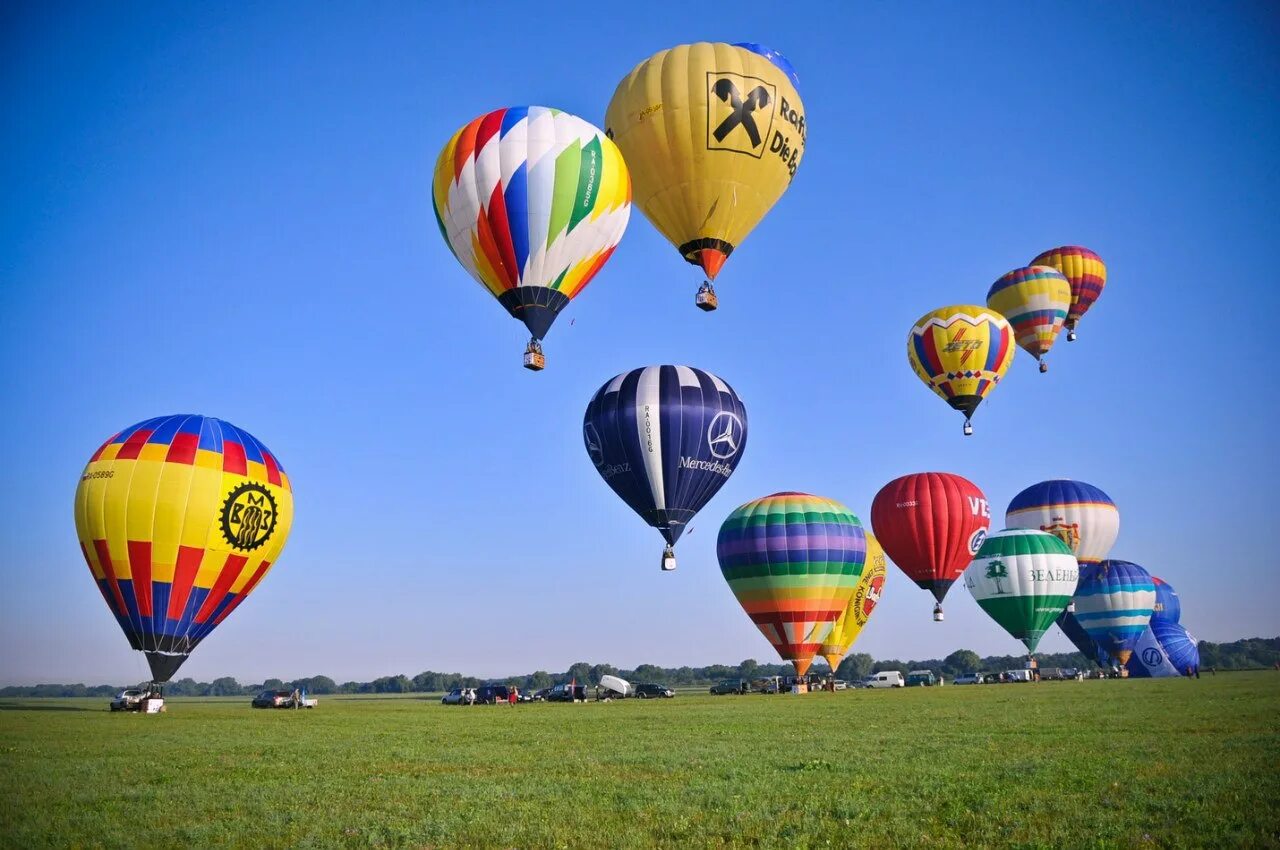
<point x="792" y="561"/>
<point x="1165" y="649"/>
<point x="866" y="595"/>
<point x="1080" y="514"/>
<point x="179" y="518"/>
<point x="961" y="352"/>
<point x="1086" y="273"/>
<point x="1023" y="579"/>
<point x="1035" y="300"/>
<point x="713" y="134"/>
<point x="665" y="439"/>
<point x="532" y="202"/>
<point x="1113" y="603"/>
<point x="931" y="524"/>
<point x="1168" y="606"/>
<point x="1080" y="638"/>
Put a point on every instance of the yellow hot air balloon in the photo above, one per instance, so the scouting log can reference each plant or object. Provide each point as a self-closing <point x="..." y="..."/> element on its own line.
<point x="713" y="135"/>
<point x="961" y="352"/>
<point x="866" y="595"/>
<point x="1035" y="300"/>
<point x="179" y="518"/>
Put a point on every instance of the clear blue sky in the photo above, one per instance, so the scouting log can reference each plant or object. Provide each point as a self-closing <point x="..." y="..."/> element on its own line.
<point x="226" y="211"/>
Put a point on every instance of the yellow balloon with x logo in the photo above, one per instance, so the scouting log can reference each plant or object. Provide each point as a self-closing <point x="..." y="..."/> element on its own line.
<point x="713" y="135"/>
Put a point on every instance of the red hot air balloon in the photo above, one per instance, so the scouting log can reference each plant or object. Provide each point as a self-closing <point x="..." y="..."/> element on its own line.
<point x="931" y="524"/>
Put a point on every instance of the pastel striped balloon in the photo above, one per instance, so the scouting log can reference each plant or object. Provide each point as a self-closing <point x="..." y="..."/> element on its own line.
<point x="1113" y="604"/>
<point x="1081" y="515"/>
<point x="531" y="201"/>
<point x="1035" y="300"/>
<point x="792" y="561"/>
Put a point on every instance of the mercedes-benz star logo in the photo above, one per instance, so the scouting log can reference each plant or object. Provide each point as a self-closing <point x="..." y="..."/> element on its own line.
<point x="724" y="435"/>
<point x="592" y="438"/>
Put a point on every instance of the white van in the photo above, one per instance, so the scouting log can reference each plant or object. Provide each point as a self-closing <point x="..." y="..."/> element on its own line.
<point x="1017" y="675"/>
<point x="887" y="679"/>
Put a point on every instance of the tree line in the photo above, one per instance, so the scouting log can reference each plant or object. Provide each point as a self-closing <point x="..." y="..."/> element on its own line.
<point x="1251" y="653"/>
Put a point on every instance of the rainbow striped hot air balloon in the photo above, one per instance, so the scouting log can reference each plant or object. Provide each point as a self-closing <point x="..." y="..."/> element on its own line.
<point x="531" y="201"/>
<point x="793" y="561"/>
<point x="1035" y="300"/>
<point x="1114" y="603"/>
<point x="1086" y="273"/>
<point x="179" y="518"/>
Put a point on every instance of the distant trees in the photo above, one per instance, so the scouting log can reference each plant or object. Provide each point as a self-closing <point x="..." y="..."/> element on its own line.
<point x="854" y="667"/>
<point x="960" y="662"/>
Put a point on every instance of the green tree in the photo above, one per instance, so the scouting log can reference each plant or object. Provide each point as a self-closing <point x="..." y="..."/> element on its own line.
<point x="856" y="666"/>
<point x="996" y="570"/>
<point x="748" y="669"/>
<point x="581" y="672"/>
<point x="961" y="661"/>
<point x="224" y="687"/>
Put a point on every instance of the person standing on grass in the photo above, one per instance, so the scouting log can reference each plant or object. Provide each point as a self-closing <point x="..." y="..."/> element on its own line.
<point x="512" y="695"/>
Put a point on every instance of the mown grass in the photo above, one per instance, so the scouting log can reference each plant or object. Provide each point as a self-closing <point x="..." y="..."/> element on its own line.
<point x="1075" y="764"/>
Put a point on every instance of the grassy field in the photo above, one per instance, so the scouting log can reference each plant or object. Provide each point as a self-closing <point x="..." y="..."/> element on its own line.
<point x="1073" y="764"/>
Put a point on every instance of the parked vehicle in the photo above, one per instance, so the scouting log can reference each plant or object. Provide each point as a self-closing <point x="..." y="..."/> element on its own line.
<point x="540" y="694"/>
<point x="923" y="678"/>
<point x="129" y="700"/>
<point x="731" y="686"/>
<point x="839" y="684"/>
<point x="1017" y="675"/>
<point x="282" y="699"/>
<point x="459" y="696"/>
<point x="767" y="685"/>
<point x="492" y="694"/>
<point x="566" y="693"/>
<point x="650" y="690"/>
<point x="613" y="687"/>
<point x="887" y="679"/>
<point x="971" y="679"/>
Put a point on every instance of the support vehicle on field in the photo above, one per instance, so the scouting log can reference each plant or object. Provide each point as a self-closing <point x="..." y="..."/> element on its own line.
<point x="887" y="679"/>
<point x="649" y="690"/>
<point x="923" y="678"/>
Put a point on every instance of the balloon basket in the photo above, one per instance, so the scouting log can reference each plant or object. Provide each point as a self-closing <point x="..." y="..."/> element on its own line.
<point x="706" y="298"/>
<point x="534" y="359"/>
<point x="1071" y="336"/>
<point x="938" y="616"/>
<point x="968" y="428"/>
<point x="668" y="559"/>
<point x="1044" y="367"/>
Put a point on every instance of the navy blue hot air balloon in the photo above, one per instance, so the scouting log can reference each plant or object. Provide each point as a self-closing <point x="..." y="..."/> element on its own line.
<point x="665" y="438"/>
<point x="1168" y="607"/>
<point x="1165" y="649"/>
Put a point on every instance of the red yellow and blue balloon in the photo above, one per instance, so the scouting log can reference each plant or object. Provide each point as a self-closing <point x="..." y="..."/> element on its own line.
<point x="179" y="518"/>
<point x="1086" y="273"/>
<point x="1035" y="300"/>
<point x="961" y="352"/>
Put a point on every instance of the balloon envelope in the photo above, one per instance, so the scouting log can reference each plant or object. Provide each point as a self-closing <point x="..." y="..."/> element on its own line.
<point x="1035" y="300"/>
<point x="665" y="439"/>
<point x="1084" y="270"/>
<point x="931" y="524"/>
<point x="866" y="595"/>
<point x="960" y="352"/>
<point x="532" y="202"/>
<point x="1080" y="514"/>
<point x="1113" y="604"/>
<point x="792" y="561"/>
<point x="179" y="518"/>
<point x="1168" y="606"/>
<point x="713" y="134"/>
<point x="1023" y="579"/>
<point x="1165" y="649"/>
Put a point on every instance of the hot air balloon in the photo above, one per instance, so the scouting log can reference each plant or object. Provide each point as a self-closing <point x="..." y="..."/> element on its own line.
<point x="1087" y="274"/>
<point x="1168" y="607"/>
<point x="866" y="595"/>
<point x="1081" y="515"/>
<point x="713" y="134"/>
<point x="1079" y="637"/>
<point x="931" y="525"/>
<point x="961" y="352"/>
<point x="531" y="201"/>
<point x="665" y="438"/>
<point x="1023" y="579"/>
<point x="1035" y="300"/>
<point x="179" y="518"/>
<point x="1113" y="604"/>
<point x="1164" y="650"/>
<point x="793" y="561"/>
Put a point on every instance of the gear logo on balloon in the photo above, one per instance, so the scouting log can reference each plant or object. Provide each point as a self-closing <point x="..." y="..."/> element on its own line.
<point x="746" y="126"/>
<point x="724" y="435"/>
<point x="248" y="516"/>
<point x="592" y="438"/>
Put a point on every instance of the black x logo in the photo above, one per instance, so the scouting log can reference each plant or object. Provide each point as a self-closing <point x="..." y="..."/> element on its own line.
<point x="743" y="110"/>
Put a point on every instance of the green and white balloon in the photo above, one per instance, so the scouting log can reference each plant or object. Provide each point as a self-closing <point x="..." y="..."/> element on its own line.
<point x="1023" y="579"/>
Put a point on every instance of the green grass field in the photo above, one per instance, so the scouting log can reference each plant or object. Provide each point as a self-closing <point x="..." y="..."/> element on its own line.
<point x="1096" y="764"/>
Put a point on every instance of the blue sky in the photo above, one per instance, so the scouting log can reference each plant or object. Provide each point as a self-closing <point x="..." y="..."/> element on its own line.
<point x="227" y="211"/>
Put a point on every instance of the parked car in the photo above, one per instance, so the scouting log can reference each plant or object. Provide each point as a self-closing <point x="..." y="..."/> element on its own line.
<point x="887" y="679"/>
<point x="731" y="686"/>
<point x="566" y="693"/>
<point x="839" y="684"/>
<point x="459" y="696"/>
<point x="129" y="700"/>
<point x="540" y="694"/>
<point x="650" y="690"/>
<point x="492" y="694"/>
<point x="272" y="699"/>
<point x="1017" y="675"/>
<point x="971" y="679"/>
<point x="864" y="682"/>
<point x="923" y="678"/>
